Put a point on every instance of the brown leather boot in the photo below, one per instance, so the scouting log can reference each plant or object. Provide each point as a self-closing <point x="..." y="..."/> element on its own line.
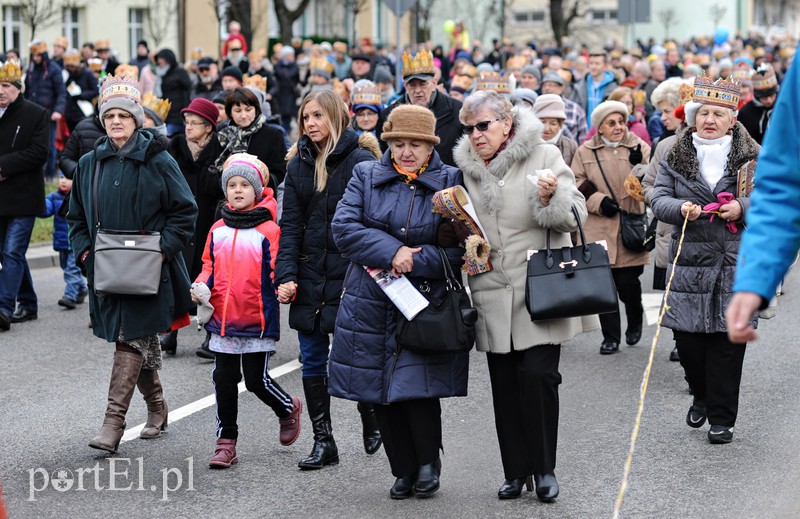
<point x="150" y="386"/>
<point x="290" y="426"/>
<point x="224" y="455"/>
<point x="124" y="374"/>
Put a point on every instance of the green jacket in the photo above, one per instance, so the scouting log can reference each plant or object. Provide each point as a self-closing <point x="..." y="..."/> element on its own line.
<point x="144" y="190"/>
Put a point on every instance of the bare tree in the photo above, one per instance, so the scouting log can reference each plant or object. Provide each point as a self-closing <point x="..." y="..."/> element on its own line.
<point x="562" y="14"/>
<point x="668" y="17"/>
<point x="287" y="16"/>
<point x="478" y="16"/>
<point x="422" y="15"/>
<point x="161" y="20"/>
<point x="352" y="9"/>
<point x="37" y="14"/>
<point x="717" y="12"/>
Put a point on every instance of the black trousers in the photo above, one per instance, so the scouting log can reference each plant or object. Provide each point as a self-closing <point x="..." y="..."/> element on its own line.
<point x="629" y="289"/>
<point x="227" y="374"/>
<point x="713" y="367"/>
<point x="525" y="396"/>
<point x="411" y="433"/>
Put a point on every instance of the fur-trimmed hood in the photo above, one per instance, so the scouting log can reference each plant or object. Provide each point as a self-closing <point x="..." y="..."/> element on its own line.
<point x="366" y="141"/>
<point x="682" y="157"/>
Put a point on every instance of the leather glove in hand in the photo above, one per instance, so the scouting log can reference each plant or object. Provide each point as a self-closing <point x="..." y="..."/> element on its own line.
<point x="609" y="207"/>
<point x="635" y="155"/>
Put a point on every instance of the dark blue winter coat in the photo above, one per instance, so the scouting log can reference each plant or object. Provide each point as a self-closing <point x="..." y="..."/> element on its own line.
<point x="90" y="89"/>
<point x="53" y="203"/>
<point x="44" y="85"/>
<point x="378" y="214"/>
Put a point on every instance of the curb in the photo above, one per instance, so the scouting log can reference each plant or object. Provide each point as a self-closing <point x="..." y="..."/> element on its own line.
<point x="42" y="256"/>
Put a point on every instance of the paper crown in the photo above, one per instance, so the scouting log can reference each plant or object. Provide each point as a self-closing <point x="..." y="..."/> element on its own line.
<point x="95" y="64"/>
<point x="764" y="78"/>
<point x="38" y="47"/>
<point x="340" y="46"/>
<point x="10" y="71"/>
<point x="256" y="81"/>
<point x="743" y="74"/>
<point x="494" y="81"/>
<point x="62" y="42"/>
<point x="461" y="83"/>
<point x="125" y="70"/>
<point x="72" y="57"/>
<point x="320" y="66"/>
<point x="685" y="93"/>
<point x="469" y="70"/>
<point x="159" y="106"/>
<point x="120" y="87"/>
<point x="420" y="63"/>
<point x="341" y="89"/>
<point x="515" y="62"/>
<point x="366" y="95"/>
<point x="722" y="92"/>
<point x="102" y="45"/>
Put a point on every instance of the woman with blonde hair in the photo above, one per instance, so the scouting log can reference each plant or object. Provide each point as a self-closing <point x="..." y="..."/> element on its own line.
<point x="309" y="272"/>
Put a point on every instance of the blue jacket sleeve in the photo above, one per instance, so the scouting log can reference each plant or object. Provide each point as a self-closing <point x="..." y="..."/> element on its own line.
<point x="772" y="238"/>
<point x="49" y="207"/>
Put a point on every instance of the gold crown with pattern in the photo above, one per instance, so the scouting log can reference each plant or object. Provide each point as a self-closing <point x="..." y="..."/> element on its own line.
<point x="420" y="63"/>
<point x="72" y="57"/>
<point x="469" y="70"/>
<point x="516" y="62"/>
<point x="38" y="47"/>
<point x="10" y="71"/>
<point x="125" y="70"/>
<point x="321" y="66"/>
<point x="722" y="92"/>
<point x="685" y="93"/>
<point x="460" y="83"/>
<point x="494" y="81"/>
<point x="159" y="106"/>
<point x="368" y="94"/>
<point x="120" y="86"/>
<point x="743" y="74"/>
<point x="95" y="64"/>
<point x="256" y="81"/>
<point x="764" y="78"/>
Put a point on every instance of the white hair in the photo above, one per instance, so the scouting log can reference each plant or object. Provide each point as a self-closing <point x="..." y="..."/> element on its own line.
<point x="667" y="91"/>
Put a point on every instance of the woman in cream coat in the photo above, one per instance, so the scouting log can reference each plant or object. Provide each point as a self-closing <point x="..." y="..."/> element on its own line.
<point x="501" y="156"/>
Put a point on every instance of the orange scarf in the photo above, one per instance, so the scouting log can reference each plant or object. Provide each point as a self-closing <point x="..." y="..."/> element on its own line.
<point x="408" y="176"/>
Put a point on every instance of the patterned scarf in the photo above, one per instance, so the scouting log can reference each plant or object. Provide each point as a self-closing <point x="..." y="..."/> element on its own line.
<point x="197" y="147"/>
<point x="235" y="140"/>
<point x="408" y="176"/>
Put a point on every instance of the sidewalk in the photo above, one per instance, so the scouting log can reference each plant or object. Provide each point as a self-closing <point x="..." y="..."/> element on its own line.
<point x="42" y="256"/>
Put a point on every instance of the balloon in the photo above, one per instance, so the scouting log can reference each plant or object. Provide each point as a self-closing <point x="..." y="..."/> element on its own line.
<point x="721" y="36"/>
<point x="449" y="26"/>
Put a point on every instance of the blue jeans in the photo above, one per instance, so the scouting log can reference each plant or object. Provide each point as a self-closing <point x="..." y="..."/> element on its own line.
<point x="72" y="275"/>
<point x="15" y="278"/>
<point x="315" y="348"/>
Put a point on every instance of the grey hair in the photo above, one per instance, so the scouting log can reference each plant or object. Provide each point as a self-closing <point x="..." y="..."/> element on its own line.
<point x="643" y="68"/>
<point x="490" y="100"/>
<point x="667" y="91"/>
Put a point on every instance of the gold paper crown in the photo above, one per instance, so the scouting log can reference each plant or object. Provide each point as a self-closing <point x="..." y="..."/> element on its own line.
<point x="722" y="92"/>
<point x="340" y="46"/>
<point x="368" y="94"/>
<point x="786" y="52"/>
<point x="743" y="74"/>
<point x="102" y="45"/>
<point x="10" y="71"/>
<point x="120" y="87"/>
<point x="316" y="65"/>
<point x="72" y="57"/>
<point x="462" y="83"/>
<point x="469" y="70"/>
<point x="494" y="81"/>
<point x="62" y="42"/>
<point x="125" y="70"/>
<point x="95" y="64"/>
<point x="764" y="79"/>
<point x="159" y="106"/>
<point x="421" y="63"/>
<point x="256" y="81"/>
<point x="341" y="89"/>
<point x="516" y="62"/>
<point x="196" y="54"/>
<point x="38" y="47"/>
<point x="685" y="93"/>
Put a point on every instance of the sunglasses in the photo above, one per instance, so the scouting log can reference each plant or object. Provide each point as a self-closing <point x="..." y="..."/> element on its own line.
<point x="481" y="126"/>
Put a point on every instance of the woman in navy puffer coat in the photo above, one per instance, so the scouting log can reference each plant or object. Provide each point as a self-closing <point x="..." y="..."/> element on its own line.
<point x="385" y="220"/>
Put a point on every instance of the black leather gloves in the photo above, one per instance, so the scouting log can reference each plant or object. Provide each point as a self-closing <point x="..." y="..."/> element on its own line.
<point x="635" y="156"/>
<point x="609" y="207"/>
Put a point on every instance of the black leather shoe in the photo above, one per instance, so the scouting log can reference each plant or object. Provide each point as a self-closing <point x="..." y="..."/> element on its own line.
<point x="720" y="434"/>
<point x="204" y="352"/>
<point x="607" y="348"/>
<point x="403" y="488"/>
<point x="21" y="315"/>
<point x="546" y="487"/>
<point x="674" y="356"/>
<point x="67" y="303"/>
<point x="5" y="322"/>
<point x="169" y="342"/>
<point x="512" y="488"/>
<point x="696" y="416"/>
<point x="633" y="335"/>
<point x="428" y="479"/>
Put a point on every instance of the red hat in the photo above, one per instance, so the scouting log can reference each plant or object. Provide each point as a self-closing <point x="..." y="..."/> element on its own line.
<point x="366" y="41"/>
<point x="203" y="108"/>
<point x="680" y="113"/>
<point x="630" y="83"/>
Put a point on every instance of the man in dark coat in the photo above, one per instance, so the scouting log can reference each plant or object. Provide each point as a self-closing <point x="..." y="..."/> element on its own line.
<point x="173" y="83"/>
<point x="421" y="90"/>
<point x="24" y="137"/>
<point x="209" y="84"/>
<point x="755" y="115"/>
<point x="287" y="77"/>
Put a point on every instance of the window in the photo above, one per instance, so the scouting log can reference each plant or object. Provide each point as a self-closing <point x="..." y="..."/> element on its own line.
<point x="72" y="26"/>
<point x="602" y="16"/>
<point x="529" y="17"/>
<point x="12" y="28"/>
<point x="136" y="22"/>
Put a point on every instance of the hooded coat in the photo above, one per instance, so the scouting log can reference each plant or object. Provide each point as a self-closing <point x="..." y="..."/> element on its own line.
<point x="755" y="117"/>
<point x="378" y="214"/>
<point x="176" y="85"/>
<point x="44" y="85"/>
<point x="703" y="283"/>
<point x="515" y="221"/>
<point x="308" y="254"/>
<point x="145" y="190"/>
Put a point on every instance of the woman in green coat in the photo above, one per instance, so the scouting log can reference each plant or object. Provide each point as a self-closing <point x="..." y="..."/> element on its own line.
<point x="140" y="187"/>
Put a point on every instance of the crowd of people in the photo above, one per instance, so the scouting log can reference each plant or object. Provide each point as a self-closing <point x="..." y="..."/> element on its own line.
<point x="306" y="165"/>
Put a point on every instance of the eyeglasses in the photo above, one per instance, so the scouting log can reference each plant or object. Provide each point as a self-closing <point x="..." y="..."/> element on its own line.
<point x="481" y="126"/>
<point x="123" y="116"/>
<point x="194" y="123"/>
<point x="366" y="115"/>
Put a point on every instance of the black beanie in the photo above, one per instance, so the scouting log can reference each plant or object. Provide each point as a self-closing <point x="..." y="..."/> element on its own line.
<point x="234" y="72"/>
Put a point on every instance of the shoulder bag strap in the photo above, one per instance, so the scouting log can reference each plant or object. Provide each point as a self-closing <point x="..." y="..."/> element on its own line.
<point x="95" y="197"/>
<point x="449" y="276"/>
<point x="611" y="191"/>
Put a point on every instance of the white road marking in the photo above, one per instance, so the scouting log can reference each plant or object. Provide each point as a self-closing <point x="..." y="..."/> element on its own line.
<point x="652" y="306"/>
<point x="208" y="401"/>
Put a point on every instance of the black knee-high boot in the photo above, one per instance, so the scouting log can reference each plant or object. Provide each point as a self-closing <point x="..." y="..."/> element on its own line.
<point x="318" y="403"/>
<point x="372" y="436"/>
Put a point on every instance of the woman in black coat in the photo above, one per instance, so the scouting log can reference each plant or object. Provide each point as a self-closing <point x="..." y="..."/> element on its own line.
<point x="173" y="83"/>
<point x="309" y="271"/>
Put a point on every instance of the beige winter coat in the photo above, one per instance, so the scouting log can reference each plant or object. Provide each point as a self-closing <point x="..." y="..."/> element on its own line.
<point x="663" y="230"/>
<point x="617" y="167"/>
<point x="515" y="220"/>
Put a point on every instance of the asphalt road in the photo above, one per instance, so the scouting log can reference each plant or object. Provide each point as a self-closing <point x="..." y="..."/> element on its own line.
<point x="53" y="383"/>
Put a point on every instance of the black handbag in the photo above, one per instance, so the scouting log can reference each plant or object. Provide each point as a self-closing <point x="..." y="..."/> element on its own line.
<point x="446" y="325"/>
<point x="633" y="226"/>
<point x="570" y="281"/>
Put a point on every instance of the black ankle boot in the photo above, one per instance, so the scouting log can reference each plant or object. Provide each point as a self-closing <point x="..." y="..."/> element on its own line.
<point x="169" y="342"/>
<point x="428" y="479"/>
<point x="372" y="436"/>
<point x="403" y="488"/>
<point x="318" y="403"/>
<point x="512" y="488"/>
<point x="204" y="352"/>
<point x="546" y="487"/>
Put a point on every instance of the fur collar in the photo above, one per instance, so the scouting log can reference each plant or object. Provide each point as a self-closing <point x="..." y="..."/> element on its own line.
<point x="682" y="156"/>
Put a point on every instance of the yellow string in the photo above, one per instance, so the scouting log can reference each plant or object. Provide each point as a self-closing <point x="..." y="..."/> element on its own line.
<point x="623" y="487"/>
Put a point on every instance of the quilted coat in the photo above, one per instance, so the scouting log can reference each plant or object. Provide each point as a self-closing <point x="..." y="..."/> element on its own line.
<point x="378" y="214"/>
<point x="703" y="282"/>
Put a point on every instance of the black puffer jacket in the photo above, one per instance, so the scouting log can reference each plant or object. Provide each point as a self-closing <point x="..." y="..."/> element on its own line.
<point x="308" y="254"/>
<point x="81" y="141"/>
<point x="175" y="86"/>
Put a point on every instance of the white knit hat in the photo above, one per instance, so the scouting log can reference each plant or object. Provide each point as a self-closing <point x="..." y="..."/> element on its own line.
<point x="607" y="108"/>
<point x="550" y="106"/>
